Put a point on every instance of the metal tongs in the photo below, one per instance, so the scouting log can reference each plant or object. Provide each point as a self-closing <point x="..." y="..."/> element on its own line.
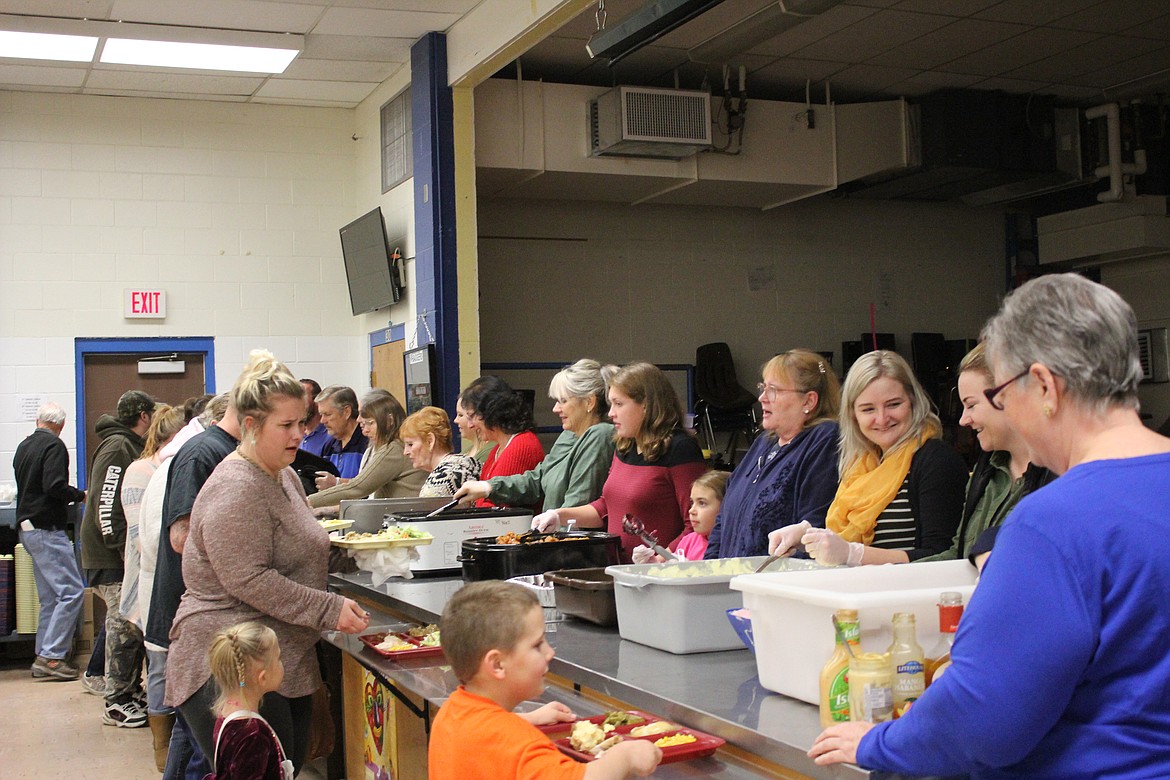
<point x="635" y="527"/>
<point x="443" y="508"/>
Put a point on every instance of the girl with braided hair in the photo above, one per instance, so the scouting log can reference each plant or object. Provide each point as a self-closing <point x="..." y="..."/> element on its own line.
<point x="245" y="664"/>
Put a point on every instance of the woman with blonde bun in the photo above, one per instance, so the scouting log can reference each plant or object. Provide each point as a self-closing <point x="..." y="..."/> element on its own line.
<point x="255" y="552"/>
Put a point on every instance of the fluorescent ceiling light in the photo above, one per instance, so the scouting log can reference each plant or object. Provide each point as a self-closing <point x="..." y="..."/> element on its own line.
<point x="201" y="56"/>
<point x="43" y="46"/>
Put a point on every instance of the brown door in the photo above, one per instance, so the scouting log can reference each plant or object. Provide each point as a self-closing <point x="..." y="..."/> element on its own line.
<point x="107" y="376"/>
<point x="389" y="373"/>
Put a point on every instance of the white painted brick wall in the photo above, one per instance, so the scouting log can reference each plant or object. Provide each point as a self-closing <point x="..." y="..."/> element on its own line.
<point x="232" y="209"/>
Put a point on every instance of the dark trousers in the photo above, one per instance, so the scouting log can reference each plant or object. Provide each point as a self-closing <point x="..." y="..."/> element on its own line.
<point x="289" y="718"/>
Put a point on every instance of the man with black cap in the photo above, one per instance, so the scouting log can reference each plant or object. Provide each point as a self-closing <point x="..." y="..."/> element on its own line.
<point x="103" y="542"/>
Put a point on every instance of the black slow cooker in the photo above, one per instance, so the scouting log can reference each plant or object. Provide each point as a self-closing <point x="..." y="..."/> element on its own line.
<point x="485" y="559"/>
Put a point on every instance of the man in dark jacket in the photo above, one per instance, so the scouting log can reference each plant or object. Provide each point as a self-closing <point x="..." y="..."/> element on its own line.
<point x="103" y="542"/>
<point x="43" y="495"/>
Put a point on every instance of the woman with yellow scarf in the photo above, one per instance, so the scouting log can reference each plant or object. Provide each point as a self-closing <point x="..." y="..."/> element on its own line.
<point x="901" y="491"/>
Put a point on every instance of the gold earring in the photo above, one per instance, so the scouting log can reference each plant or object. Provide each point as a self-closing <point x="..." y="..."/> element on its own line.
<point x="1047" y="410"/>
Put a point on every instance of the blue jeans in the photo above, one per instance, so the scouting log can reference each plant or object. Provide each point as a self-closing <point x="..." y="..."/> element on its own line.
<point x="156" y="682"/>
<point x="185" y="760"/>
<point x="59" y="587"/>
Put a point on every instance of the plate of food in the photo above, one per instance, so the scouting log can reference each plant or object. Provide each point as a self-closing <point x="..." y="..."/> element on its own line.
<point x="334" y="523"/>
<point x="403" y="644"/>
<point x="395" y="536"/>
<point x="588" y="739"/>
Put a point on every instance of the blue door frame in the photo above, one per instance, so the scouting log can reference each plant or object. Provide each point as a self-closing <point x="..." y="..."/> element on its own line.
<point x="147" y="345"/>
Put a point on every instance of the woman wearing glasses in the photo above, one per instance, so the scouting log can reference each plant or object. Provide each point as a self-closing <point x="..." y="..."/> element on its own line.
<point x="789" y="475"/>
<point x="901" y="491"/>
<point x="1060" y="667"/>
<point x="1002" y="475"/>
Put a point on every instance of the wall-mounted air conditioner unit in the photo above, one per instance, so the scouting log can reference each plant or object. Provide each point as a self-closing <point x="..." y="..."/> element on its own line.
<point x="644" y="122"/>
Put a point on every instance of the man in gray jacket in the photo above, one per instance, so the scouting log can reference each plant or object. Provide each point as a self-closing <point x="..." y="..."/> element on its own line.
<point x="103" y="542"/>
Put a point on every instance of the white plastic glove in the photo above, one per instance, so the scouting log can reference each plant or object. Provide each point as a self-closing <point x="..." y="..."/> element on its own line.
<point x="643" y="554"/>
<point x="546" y="521"/>
<point x="783" y="541"/>
<point x="829" y="549"/>
<point x="473" y="491"/>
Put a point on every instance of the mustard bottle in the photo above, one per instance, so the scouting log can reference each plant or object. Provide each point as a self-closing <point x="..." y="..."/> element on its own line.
<point x="835" y="674"/>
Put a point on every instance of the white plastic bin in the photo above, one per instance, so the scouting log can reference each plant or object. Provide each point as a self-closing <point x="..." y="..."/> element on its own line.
<point x="685" y="613"/>
<point x="792" y="614"/>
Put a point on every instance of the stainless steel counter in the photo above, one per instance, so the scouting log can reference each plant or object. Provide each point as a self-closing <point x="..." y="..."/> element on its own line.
<point x="718" y="693"/>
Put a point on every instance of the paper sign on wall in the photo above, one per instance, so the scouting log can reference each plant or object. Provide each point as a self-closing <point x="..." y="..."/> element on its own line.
<point x="148" y="304"/>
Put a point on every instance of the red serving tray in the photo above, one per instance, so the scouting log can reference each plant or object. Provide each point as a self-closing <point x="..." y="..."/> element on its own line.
<point x="372" y="640"/>
<point x="704" y="744"/>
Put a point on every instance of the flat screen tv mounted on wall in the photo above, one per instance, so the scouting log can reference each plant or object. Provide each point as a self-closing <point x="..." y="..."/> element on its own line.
<point x="373" y="272"/>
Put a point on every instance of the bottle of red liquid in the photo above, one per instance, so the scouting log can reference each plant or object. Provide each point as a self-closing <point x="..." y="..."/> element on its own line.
<point x="950" y="609"/>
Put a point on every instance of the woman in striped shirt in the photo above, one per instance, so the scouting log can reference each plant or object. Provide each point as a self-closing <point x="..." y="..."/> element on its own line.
<point x="901" y="491"/>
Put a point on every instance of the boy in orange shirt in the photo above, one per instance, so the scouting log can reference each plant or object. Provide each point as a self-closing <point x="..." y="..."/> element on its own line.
<point x="493" y="636"/>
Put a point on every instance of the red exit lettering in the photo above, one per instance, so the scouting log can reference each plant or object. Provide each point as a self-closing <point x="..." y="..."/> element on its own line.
<point x="145" y="302"/>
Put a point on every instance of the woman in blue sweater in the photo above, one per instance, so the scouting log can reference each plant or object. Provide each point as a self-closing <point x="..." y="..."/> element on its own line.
<point x="1059" y="667"/>
<point x="790" y="473"/>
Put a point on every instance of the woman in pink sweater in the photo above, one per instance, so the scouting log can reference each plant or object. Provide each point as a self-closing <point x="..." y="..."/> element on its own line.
<point x="255" y="552"/>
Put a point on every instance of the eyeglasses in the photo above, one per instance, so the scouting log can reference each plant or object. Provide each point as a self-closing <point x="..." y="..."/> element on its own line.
<point x="991" y="392"/>
<point x="769" y="392"/>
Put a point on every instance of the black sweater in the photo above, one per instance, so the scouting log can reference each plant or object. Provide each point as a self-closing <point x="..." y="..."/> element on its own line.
<point x="42" y="481"/>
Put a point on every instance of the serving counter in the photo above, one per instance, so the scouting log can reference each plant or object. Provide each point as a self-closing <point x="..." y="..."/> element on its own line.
<point x="594" y="670"/>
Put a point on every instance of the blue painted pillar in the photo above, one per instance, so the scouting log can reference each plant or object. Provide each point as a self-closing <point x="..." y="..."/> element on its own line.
<point x="436" y="282"/>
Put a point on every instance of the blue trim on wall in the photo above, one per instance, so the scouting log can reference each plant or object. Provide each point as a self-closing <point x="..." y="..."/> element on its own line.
<point x="436" y="274"/>
<point x="147" y="345"/>
<point x="386" y="335"/>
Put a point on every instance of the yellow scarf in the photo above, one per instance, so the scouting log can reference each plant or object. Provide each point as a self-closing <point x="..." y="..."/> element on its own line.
<point x="868" y="487"/>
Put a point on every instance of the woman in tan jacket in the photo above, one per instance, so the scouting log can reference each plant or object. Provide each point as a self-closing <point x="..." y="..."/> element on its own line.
<point x="385" y="472"/>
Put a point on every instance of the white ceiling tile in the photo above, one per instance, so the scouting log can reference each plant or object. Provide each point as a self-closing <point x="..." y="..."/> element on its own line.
<point x="1146" y="67"/>
<point x="963" y="37"/>
<point x="867" y="79"/>
<point x="34" y="75"/>
<point x="1035" y="12"/>
<point x="836" y="18"/>
<point x="165" y="95"/>
<point x="73" y="9"/>
<point x="1093" y="56"/>
<point x="1016" y="86"/>
<point x="357" y="47"/>
<point x="1114" y="15"/>
<point x="959" y="8"/>
<point x="929" y="81"/>
<point x="386" y="24"/>
<point x="719" y="18"/>
<point x="876" y="34"/>
<point x="1154" y="28"/>
<point x="340" y="70"/>
<point x="791" y="71"/>
<point x="335" y="91"/>
<point x="143" y="80"/>
<point x="1033" y="45"/>
<point x="444" y="6"/>
<point x="228" y="14"/>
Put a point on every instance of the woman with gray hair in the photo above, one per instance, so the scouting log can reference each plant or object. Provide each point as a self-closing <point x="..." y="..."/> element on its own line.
<point x="1059" y="668"/>
<point x="901" y="491"/>
<point x="575" y="469"/>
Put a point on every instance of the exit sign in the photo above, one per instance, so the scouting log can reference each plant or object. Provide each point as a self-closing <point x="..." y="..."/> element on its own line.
<point x="144" y="304"/>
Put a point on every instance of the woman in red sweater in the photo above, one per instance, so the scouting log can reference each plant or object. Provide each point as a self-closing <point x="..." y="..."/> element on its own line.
<point x="500" y="415"/>
<point x="654" y="466"/>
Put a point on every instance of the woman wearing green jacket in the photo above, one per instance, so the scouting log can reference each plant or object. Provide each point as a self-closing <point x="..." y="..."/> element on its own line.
<point x="576" y="467"/>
